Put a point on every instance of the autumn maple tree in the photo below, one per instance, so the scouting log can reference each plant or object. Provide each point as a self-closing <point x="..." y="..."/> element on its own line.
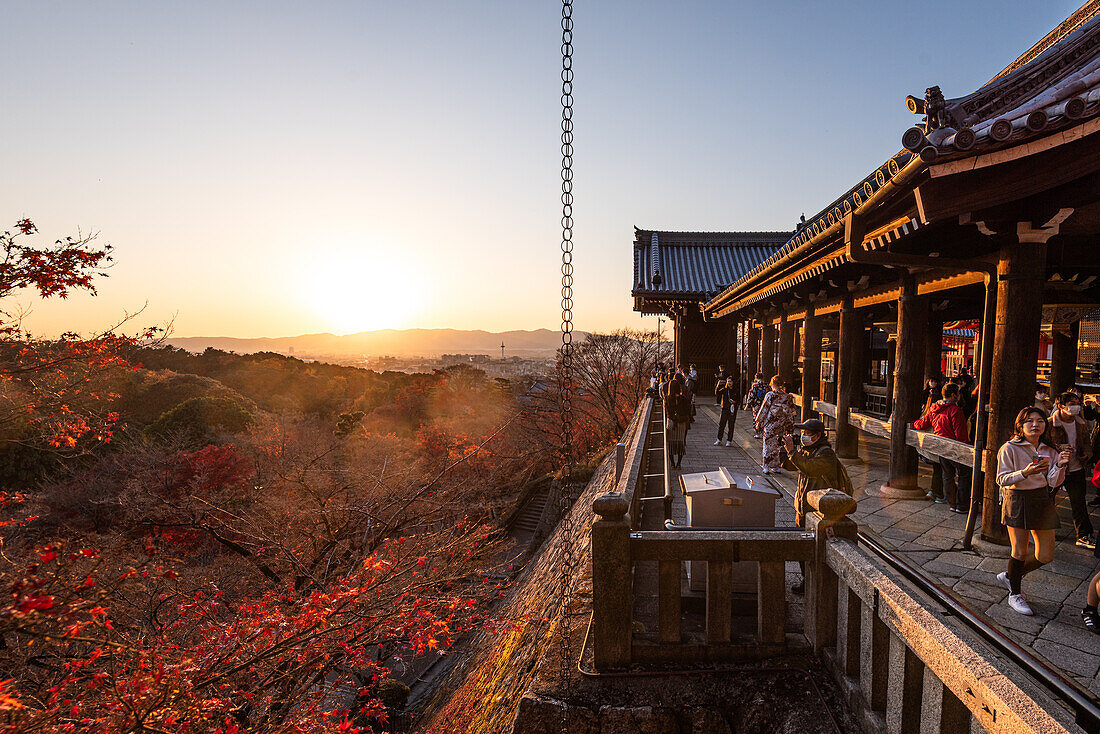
<point x="271" y="580"/>
<point x="50" y="389"/>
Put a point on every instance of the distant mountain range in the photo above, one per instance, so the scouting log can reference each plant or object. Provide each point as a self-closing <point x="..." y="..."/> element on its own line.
<point x="393" y="342"/>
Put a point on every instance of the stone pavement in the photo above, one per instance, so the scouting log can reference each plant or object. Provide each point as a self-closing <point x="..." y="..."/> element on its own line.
<point x="929" y="536"/>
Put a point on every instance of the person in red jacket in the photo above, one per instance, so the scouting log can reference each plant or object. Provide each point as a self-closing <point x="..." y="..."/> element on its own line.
<point x="945" y="418"/>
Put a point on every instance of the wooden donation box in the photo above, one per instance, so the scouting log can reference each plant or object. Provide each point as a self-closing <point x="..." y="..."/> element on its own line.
<point x="721" y="499"/>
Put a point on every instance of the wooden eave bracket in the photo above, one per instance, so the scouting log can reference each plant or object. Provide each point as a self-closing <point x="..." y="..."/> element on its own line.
<point x="1027" y="233"/>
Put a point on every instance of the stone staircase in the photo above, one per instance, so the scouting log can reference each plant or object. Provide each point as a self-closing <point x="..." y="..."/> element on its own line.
<point x="527" y="520"/>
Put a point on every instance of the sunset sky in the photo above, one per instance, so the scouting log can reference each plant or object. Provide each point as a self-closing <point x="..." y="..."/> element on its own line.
<point x="273" y="168"/>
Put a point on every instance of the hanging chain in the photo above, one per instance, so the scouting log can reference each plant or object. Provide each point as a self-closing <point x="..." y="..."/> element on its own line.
<point x="567" y="564"/>
<point x="566" y="374"/>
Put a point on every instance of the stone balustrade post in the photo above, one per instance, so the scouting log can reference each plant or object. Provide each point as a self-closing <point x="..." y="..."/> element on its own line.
<point x="829" y="519"/>
<point x="611" y="583"/>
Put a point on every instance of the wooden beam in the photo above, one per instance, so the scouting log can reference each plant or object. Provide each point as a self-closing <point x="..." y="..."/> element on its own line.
<point x="933" y="445"/>
<point x="1012" y="174"/>
<point x="1010" y="154"/>
<point x="867" y="424"/>
<point x="875" y="296"/>
<point x="936" y="282"/>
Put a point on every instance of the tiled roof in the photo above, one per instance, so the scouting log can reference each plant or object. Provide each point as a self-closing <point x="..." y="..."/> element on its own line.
<point x="1053" y="87"/>
<point x="1077" y="19"/>
<point x="697" y="265"/>
<point x="960" y="333"/>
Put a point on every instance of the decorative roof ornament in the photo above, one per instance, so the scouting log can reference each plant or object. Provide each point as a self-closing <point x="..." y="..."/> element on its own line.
<point x="654" y="259"/>
<point x="939" y="123"/>
<point x="936" y="115"/>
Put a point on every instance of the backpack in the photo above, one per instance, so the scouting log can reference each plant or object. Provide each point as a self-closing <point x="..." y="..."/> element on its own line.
<point x="844" y="480"/>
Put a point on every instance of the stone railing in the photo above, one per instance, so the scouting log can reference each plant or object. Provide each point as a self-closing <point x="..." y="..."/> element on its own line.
<point x="902" y="665"/>
<point x="640" y="465"/>
<point x="615" y="551"/>
<point x="926" y="442"/>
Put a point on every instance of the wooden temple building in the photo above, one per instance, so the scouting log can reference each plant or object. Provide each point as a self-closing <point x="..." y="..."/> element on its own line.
<point x="675" y="273"/>
<point x="988" y="216"/>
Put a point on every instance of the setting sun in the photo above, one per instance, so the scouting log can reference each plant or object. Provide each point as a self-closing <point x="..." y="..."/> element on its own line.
<point x="359" y="289"/>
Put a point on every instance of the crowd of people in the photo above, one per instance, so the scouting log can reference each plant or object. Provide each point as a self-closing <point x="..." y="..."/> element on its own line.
<point x="1055" y="447"/>
<point x="676" y="387"/>
<point x="772" y="409"/>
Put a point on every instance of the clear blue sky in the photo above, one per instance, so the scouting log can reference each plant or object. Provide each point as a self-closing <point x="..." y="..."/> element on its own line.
<point x="273" y="168"/>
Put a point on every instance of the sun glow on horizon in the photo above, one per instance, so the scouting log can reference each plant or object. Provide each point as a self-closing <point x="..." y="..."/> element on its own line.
<point x="359" y="289"/>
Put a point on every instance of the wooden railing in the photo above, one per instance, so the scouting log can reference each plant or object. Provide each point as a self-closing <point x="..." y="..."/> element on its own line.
<point x="928" y="443"/>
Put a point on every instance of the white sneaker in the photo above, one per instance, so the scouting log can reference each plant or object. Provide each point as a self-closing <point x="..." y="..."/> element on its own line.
<point x="718" y="442"/>
<point x="767" y="470"/>
<point x="1019" y="604"/>
<point x="727" y="443"/>
<point x="1003" y="578"/>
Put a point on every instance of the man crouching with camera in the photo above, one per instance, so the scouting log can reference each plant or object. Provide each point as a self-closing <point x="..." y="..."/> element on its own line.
<point x="818" y="468"/>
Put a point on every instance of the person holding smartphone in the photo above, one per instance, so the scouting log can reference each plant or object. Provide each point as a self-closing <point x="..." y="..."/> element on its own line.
<point x="1028" y="473"/>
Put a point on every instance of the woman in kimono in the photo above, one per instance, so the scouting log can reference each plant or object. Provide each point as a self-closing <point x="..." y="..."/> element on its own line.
<point x="775" y="419"/>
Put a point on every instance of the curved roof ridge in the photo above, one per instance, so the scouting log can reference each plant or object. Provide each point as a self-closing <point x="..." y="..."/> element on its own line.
<point x="1078" y="18"/>
<point x="760" y="232"/>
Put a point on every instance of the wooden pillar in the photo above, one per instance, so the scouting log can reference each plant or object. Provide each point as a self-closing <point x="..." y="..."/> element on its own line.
<point x="933" y="346"/>
<point x="891" y="372"/>
<point x="767" y="350"/>
<point x="1021" y="275"/>
<point x="730" y="361"/>
<point x="678" y="339"/>
<point x="908" y="374"/>
<point x="811" y="364"/>
<point x="788" y="334"/>
<point x="1063" y="357"/>
<point x="850" y="365"/>
<point x="752" y="361"/>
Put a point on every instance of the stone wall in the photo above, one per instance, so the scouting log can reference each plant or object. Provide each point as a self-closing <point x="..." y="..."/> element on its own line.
<point x="483" y="693"/>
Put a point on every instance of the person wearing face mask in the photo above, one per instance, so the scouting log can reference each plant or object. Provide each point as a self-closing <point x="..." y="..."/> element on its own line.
<point x="818" y="468"/>
<point x="1027" y="471"/>
<point x="946" y="419"/>
<point x="1042" y="398"/>
<point x="1068" y="431"/>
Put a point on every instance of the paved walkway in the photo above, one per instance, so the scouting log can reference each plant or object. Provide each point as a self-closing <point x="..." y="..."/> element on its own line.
<point x="929" y="535"/>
